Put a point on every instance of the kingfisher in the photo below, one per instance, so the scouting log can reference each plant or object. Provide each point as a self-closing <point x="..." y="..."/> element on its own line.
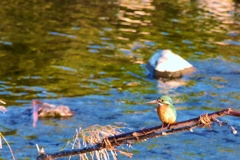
<point x="165" y="110"/>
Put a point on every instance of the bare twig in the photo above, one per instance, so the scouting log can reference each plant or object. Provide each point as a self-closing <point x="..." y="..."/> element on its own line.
<point x="220" y="123"/>
<point x="142" y="135"/>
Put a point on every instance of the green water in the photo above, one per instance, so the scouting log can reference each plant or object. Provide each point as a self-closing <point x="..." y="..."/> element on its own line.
<point x="91" y="56"/>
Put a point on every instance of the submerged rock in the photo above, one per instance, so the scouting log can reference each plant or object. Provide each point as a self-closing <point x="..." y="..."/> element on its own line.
<point x="166" y="64"/>
<point x="44" y="110"/>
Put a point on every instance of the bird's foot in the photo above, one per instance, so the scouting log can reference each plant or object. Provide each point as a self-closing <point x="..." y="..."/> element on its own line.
<point x="168" y="126"/>
<point x="162" y="126"/>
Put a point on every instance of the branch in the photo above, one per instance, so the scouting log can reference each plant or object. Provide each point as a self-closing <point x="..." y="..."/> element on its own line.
<point x="153" y="132"/>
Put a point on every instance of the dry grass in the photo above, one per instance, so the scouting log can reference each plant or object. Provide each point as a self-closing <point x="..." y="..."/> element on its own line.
<point x="93" y="135"/>
<point x="2" y="108"/>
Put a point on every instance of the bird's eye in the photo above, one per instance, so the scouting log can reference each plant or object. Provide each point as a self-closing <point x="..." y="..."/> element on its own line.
<point x="160" y="100"/>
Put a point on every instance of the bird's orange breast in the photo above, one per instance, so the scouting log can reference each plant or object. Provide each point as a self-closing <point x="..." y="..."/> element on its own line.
<point x="166" y="114"/>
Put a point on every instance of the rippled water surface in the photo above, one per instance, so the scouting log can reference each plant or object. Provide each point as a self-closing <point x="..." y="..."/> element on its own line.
<point x="92" y="56"/>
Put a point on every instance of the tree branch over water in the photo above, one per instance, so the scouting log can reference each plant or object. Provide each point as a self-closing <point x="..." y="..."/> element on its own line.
<point x="111" y="142"/>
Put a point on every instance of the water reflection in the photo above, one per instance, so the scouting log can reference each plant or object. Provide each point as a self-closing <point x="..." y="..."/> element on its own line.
<point x="222" y="11"/>
<point x="225" y="13"/>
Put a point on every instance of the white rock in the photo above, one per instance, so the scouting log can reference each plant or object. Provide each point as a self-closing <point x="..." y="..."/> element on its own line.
<point x="171" y="62"/>
<point x="167" y="64"/>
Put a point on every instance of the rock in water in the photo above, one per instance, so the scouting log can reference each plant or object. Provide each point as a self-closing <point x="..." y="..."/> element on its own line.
<point x="44" y="110"/>
<point x="166" y="64"/>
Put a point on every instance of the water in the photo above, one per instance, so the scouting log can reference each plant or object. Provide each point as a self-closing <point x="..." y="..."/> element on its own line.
<point x="91" y="56"/>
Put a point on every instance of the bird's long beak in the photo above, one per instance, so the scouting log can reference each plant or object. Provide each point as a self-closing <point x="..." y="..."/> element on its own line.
<point x="153" y="102"/>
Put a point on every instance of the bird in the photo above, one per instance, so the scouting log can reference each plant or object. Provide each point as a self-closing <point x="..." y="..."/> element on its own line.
<point x="165" y="110"/>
